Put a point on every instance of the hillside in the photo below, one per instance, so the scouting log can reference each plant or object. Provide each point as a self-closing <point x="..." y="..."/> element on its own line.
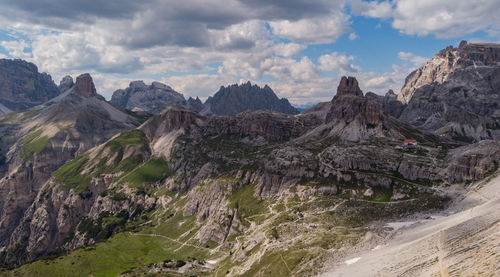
<point x="256" y="193"/>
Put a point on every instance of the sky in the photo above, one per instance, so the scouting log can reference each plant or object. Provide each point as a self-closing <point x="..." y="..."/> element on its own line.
<point x="300" y="48"/>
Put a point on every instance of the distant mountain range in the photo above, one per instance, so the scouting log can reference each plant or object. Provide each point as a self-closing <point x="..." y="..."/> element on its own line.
<point x="227" y="101"/>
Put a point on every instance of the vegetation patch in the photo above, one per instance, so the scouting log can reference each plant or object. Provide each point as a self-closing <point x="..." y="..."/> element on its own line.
<point x="122" y="252"/>
<point x="104" y="226"/>
<point x="133" y="137"/>
<point x="70" y="174"/>
<point x="151" y="171"/>
<point x="246" y="203"/>
<point x="33" y="143"/>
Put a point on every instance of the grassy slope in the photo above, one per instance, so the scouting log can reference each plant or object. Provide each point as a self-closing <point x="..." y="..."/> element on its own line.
<point x="123" y="252"/>
<point x="71" y="173"/>
<point x="33" y="143"/>
<point x="151" y="171"/>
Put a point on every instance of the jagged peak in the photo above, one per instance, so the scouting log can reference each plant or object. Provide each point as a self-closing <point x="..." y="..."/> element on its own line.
<point x="66" y="83"/>
<point x="390" y="93"/>
<point x="84" y="85"/>
<point x="137" y="84"/>
<point x="348" y="86"/>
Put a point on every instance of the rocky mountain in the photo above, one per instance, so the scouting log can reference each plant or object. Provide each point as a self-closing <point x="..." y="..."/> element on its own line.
<point x="36" y="142"/>
<point x="194" y="104"/>
<point x="152" y="98"/>
<point x="22" y="86"/>
<point x="65" y="84"/>
<point x="352" y="116"/>
<point x="456" y="93"/>
<point x="259" y="192"/>
<point x="236" y="98"/>
<point x="388" y="103"/>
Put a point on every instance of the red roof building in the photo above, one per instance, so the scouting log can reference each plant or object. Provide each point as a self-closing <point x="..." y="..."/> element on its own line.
<point x="410" y="142"/>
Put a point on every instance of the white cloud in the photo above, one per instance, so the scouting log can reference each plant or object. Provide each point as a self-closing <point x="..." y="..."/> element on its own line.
<point x="446" y="18"/>
<point x="316" y="30"/>
<point x="337" y="63"/>
<point x="374" y="9"/>
<point x="353" y="36"/>
<point x="288" y="49"/>
<point x="16" y="48"/>
<point x="417" y="61"/>
<point x="201" y="85"/>
<point x="380" y="83"/>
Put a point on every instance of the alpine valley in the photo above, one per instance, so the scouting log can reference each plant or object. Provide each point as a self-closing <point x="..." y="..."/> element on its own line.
<point x="152" y="184"/>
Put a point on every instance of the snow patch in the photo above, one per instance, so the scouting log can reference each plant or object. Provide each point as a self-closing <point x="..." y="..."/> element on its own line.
<point x="212" y="262"/>
<point x="352" y="261"/>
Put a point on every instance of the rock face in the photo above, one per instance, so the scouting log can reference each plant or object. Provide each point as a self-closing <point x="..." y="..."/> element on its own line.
<point x="349" y="85"/>
<point x="152" y="98"/>
<point x="85" y="86"/>
<point x="239" y="98"/>
<point x="353" y="117"/>
<point x="388" y="103"/>
<point x="37" y="142"/>
<point x="66" y="83"/>
<point x="194" y="104"/>
<point x="22" y="86"/>
<point x="456" y="93"/>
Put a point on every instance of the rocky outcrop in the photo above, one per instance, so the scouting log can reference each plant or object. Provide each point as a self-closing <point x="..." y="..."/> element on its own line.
<point x="354" y="117"/>
<point x="236" y="98"/>
<point x="194" y="104"/>
<point x="473" y="162"/>
<point x="348" y="85"/>
<point x="22" y="86"/>
<point x="152" y="98"/>
<point x="456" y="93"/>
<point x="388" y="103"/>
<point x="85" y="86"/>
<point x="65" y="83"/>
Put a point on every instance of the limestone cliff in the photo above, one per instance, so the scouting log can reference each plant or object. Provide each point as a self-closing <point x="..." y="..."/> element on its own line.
<point x="236" y="98"/>
<point x="22" y="86"/>
<point x="456" y="93"/>
<point x="152" y="98"/>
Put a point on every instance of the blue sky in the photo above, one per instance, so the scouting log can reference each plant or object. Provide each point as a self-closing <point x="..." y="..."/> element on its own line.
<point x="300" y="48"/>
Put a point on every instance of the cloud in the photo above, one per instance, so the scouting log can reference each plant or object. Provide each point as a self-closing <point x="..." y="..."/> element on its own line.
<point x="416" y="60"/>
<point x="202" y="85"/>
<point x="318" y="30"/>
<point x="337" y="63"/>
<point x="353" y="36"/>
<point x="443" y="19"/>
<point x="16" y="48"/>
<point x="288" y="49"/>
<point x="380" y="83"/>
<point x="374" y="9"/>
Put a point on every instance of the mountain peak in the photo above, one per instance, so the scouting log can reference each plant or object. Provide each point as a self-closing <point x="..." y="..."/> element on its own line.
<point x="85" y="85"/>
<point x="348" y="85"/>
<point x="66" y="83"/>
<point x="238" y="98"/>
<point x="152" y="98"/>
